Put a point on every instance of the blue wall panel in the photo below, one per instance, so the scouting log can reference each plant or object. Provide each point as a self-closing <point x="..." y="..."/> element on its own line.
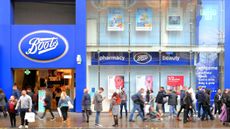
<point x="227" y="45"/>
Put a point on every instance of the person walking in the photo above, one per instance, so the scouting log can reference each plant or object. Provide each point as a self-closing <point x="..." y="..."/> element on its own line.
<point x="86" y="105"/>
<point x="16" y="92"/>
<point x="3" y="103"/>
<point x="47" y="105"/>
<point x="25" y="105"/>
<point x="182" y="105"/>
<point x="123" y="97"/>
<point x="160" y="100"/>
<point x="115" y="103"/>
<point x="218" y="102"/>
<point x="137" y="101"/>
<point x="11" y="110"/>
<point x="63" y="104"/>
<point x="199" y="97"/>
<point x="206" y="106"/>
<point x="97" y="101"/>
<point x="172" y="102"/>
<point x="188" y="106"/>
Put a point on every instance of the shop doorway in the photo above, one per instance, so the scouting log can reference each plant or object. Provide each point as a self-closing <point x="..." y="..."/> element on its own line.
<point x="54" y="80"/>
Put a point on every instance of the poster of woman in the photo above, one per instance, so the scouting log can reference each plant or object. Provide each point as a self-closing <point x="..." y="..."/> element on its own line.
<point x="115" y="83"/>
<point x="115" y="19"/>
<point x="144" y="81"/>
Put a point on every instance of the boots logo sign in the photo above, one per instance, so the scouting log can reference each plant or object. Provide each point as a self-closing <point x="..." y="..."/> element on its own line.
<point x="142" y="58"/>
<point x="43" y="46"/>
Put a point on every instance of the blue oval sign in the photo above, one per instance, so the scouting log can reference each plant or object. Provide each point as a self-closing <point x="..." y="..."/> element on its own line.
<point x="43" y="46"/>
<point x="142" y="58"/>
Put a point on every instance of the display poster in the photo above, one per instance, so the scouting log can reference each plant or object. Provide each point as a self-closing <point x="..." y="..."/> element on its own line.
<point x="175" y="83"/>
<point x="144" y="81"/>
<point x="115" y="19"/>
<point x="41" y="97"/>
<point x="115" y="83"/>
<point x="207" y="72"/>
<point x="174" y="19"/>
<point x="144" y="19"/>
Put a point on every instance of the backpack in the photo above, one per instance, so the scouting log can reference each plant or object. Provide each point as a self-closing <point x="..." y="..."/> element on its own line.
<point x="135" y="97"/>
<point x="11" y="107"/>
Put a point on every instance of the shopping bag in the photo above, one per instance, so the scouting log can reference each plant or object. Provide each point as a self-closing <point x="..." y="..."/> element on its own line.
<point x="70" y="105"/>
<point x="59" y="112"/>
<point x="30" y="117"/>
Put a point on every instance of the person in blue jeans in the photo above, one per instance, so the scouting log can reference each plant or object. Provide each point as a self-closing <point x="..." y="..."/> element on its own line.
<point x="123" y="97"/>
<point x="97" y="101"/>
<point x="200" y="95"/>
<point x="137" y="101"/>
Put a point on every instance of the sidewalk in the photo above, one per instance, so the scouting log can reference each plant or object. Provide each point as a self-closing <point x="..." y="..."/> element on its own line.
<point x="75" y="121"/>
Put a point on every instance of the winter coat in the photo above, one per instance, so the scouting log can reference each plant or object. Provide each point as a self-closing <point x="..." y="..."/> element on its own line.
<point x="160" y="97"/>
<point x="86" y="102"/>
<point x="2" y="99"/>
<point x="172" y="99"/>
<point x="98" y="102"/>
<point x="187" y="101"/>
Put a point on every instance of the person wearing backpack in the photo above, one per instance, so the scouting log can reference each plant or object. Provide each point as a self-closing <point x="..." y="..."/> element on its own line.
<point x="115" y="103"/>
<point x="11" y="110"/>
<point x="137" y="100"/>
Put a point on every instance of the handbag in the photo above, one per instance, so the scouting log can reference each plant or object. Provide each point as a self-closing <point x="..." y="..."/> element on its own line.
<point x="30" y="116"/>
<point x="59" y="112"/>
<point x="70" y="105"/>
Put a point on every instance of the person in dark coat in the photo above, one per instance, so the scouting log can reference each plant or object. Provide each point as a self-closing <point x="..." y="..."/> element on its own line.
<point x="199" y="96"/>
<point x="218" y="102"/>
<point x="160" y="100"/>
<point x="86" y="105"/>
<point x="187" y="106"/>
<point x="182" y="105"/>
<point x="47" y="105"/>
<point x="206" y="105"/>
<point x="3" y="102"/>
<point x="172" y="102"/>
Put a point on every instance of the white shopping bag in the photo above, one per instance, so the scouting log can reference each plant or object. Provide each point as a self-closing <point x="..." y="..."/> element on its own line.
<point x="59" y="112"/>
<point x="30" y="117"/>
<point x="70" y="105"/>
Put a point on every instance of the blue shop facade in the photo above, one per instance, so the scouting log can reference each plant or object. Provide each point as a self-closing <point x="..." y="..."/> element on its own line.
<point x="109" y="44"/>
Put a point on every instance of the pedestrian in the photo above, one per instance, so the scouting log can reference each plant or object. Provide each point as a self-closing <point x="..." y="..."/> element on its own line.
<point x="206" y="105"/>
<point x="3" y="103"/>
<point x="16" y="92"/>
<point x="137" y="101"/>
<point x="11" y="110"/>
<point x="160" y="100"/>
<point x="97" y="101"/>
<point x="47" y="105"/>
<point x="218" y="102"/>
<point x="199" y="97"/>
<point x="57" y="93"/>
<point x="188" y="106"/>
<point x="115" y="103"/>
<point x="123" y="97"/>
<point x="182" y="105"/>
<point x="63" y="104"/>
<point x="86" y="105"/>
<point x="172" y="102"/>
<point x="25" y="105"/>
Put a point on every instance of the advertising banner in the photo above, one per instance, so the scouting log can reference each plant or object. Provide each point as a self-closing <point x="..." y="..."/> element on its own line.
<point x="175" y="58"/>
<point x="115" y="83"/>
<point x="41" y="97"/>
<point x="207" y="72"/>
<point x="144" y="19"/>
<point x="144" y="81"/>
<point x="116" y="19"/>
<point x="114" y="58"/>
<point x="175" y="81"/>
<point x="174" y="19"/>
<point x="144" y="58"/>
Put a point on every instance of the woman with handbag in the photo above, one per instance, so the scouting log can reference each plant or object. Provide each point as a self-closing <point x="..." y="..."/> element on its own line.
<point x="86" y="104"/>
<point x="65" y="104"/>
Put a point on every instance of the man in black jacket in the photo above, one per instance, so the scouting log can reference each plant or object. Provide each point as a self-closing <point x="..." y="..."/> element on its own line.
<point x="200" y="96"/>
<point x="218" y="102"/>
<point x="160" y="100"/>
<point x="206" y="105"/>
<point x="188" y="106"/>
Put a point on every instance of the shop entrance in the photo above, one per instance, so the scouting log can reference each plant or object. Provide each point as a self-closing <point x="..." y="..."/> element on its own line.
<point x="54" y="80"/>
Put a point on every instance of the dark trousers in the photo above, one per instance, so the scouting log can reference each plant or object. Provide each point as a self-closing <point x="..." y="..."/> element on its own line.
<point x="64" y="111"/>
<point x="115" y="118"/>
<point x="163" y="107"/>
<point x="200" y="106"/>
<point x="181" y="108"/>
<point x="12" y="119"/>
<point x="186" y="111"/>
<point x="57" y="100"/>
<point x="48" y="108"/>
<point x="22" y="115"/>
<point x="206" y="112"/>
<point x="121" y="108"/>
<point x="86" y="113"/>
<point x="218" y="108"/>
<point x="3" y="109"/>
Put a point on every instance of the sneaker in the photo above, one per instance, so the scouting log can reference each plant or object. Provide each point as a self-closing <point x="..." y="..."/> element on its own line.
<point x="98" y="125"/>
<point x="26" y="127"/>
<point x="40" y="118"/>
<point x="64" y="121"/>
<point x="21" y="126"/>
<point x="52" y="119"/>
